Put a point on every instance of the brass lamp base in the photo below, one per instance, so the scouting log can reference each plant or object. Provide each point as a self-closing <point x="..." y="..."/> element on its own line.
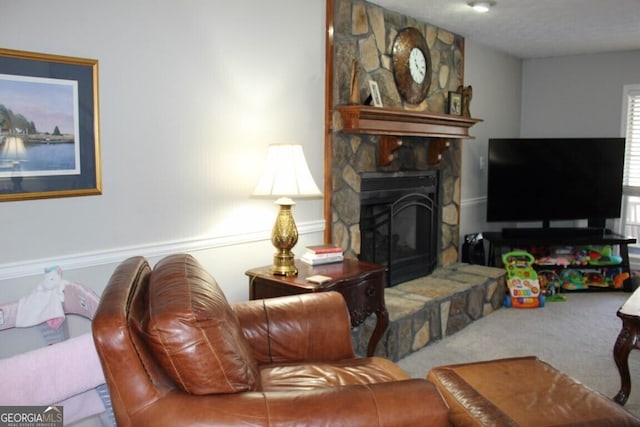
<point x="284" y="237"/>
<point x="283" y="265"/>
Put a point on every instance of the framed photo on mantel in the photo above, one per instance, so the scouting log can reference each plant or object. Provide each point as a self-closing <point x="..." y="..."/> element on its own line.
<point x="49" y="126"/>
<point x="454" y="106"/>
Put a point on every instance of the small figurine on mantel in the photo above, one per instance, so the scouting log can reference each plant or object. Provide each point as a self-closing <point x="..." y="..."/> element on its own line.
<point x="354" y="84"/>
<point x="467" y="94"/>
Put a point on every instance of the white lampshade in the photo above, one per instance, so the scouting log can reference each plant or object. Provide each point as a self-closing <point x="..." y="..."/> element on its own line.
<point x="286" y="174"/>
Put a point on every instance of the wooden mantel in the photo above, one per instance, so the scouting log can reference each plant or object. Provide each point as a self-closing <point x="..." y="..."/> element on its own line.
<point x="393" y="123"/>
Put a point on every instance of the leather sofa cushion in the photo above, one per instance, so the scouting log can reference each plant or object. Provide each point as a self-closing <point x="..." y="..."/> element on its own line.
<point x="315" y="375"/>
<point x="194" y="333"/>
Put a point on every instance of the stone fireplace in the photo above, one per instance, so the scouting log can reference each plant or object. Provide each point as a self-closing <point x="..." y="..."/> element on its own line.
<point x="435" y="209"/>
<point x="392" y="179"/>
<point x="363" y="34"/>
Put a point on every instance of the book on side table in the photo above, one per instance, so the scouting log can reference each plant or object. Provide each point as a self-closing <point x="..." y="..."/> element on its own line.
<point x="322" y="254"/>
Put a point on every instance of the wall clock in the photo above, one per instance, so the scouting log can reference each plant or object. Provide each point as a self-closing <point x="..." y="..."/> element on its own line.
<point x="411" y="65"/>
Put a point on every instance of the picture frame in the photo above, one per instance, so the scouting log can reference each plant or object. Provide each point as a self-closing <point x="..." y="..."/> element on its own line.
<point x="454" y="105"/>
<point x="375" y="93"/>
<point x="49" y="126"/>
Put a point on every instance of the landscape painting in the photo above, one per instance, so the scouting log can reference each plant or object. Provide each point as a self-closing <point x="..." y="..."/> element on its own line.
<point x="49" y="139"/>
<point x="38" y="126"/>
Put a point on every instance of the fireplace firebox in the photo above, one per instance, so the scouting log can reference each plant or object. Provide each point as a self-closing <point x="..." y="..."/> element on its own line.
<point x="399" y="218"/>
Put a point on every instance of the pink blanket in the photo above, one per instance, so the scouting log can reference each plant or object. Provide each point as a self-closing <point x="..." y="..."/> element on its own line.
<point x="51" y="374"/>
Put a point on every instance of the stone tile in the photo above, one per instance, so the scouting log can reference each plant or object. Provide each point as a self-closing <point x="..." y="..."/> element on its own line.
<point x="399" y="306"/>
<point x="433" y="287"/>
<point x="468" y="279"/>
<point x="422" y="337"/>
<point x="482" y="270"/>
<point x="444" y="317"/>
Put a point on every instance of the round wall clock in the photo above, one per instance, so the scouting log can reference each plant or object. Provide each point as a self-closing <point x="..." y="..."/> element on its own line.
<point x="411" y="62"/>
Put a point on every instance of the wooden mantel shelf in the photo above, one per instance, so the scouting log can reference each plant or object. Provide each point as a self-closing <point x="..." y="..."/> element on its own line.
<point x="392" y="123"/>
<point x="388" y="121"/>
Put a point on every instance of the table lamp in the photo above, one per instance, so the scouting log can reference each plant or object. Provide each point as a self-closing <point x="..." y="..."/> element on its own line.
<point x="286" y="175"/>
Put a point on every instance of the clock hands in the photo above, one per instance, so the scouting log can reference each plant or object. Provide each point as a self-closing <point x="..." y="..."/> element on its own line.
<point x="420" y="66"/>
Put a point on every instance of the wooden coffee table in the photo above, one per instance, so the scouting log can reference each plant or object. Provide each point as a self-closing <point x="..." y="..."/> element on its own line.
<point x="628" y="339"/>
<point x="360" y="283"/>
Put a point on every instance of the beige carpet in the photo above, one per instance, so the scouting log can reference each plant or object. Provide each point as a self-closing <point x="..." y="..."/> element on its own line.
<point x="576" y="337"/>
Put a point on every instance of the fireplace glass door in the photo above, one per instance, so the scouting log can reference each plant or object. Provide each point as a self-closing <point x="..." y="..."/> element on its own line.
<point x="399" y="217"/>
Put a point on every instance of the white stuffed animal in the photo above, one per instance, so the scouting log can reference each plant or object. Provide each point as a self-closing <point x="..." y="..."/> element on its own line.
<point x="53" y="281"/>
<point x="44" y="304"/>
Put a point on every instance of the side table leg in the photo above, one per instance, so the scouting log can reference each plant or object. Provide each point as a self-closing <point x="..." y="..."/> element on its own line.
<point x="382" y="322"/>
<point x="626" y="341"/>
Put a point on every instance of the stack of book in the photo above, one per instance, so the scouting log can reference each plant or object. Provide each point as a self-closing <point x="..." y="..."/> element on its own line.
<point x="322" y="254"/>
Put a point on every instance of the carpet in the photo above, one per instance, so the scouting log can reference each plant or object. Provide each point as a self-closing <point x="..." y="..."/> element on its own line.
<point x="576" y="336"/>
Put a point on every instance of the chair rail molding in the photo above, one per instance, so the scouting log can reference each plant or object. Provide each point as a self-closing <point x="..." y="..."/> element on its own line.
<point x="111" y="256"/>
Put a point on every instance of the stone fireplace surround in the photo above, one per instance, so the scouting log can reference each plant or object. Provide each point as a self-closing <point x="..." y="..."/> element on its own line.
<point x="358" y="32"/>
<point x="365" y="32"/>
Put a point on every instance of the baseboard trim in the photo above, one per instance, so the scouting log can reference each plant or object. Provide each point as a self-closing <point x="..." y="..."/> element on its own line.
<point x="110" y="256"/>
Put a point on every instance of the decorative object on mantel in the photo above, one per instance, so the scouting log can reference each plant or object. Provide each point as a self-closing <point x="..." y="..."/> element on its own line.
<point x="376" y="99"/>
<point x="286" y="174"/>
<point x="354" y="87"/>
<point x="411" y="65"/>
<point x="454" y="104"/>
<point x="467" y="94"/>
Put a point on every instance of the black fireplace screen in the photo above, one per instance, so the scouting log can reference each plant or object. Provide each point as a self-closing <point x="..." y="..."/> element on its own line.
<point x="399" y="217"/>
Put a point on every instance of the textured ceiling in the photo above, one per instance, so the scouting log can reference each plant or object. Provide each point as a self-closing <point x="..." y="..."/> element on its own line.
<point x="534" y="28"/>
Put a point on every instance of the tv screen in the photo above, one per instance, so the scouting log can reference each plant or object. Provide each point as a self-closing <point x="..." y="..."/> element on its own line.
<point x="554" y="179"/>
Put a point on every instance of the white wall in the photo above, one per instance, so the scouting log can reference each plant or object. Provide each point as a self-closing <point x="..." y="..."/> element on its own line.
<point x="576" y="96"/>
<point x="496" y="79"/>
<point x="191" y="94"/>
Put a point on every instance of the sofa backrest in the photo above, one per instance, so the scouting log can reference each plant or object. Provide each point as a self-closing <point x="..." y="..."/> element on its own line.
<point x="194" y="333"/>
<point x="169" y="328"/>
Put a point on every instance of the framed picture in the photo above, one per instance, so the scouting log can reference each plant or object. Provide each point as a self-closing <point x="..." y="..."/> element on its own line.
<point x="49" y="126"/>
<point x="455" y="103"/>
<point x="375" y="93"/>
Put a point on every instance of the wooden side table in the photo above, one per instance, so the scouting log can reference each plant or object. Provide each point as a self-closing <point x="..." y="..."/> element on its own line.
<point x="360" y="283"/>
<point x="628" y="339"/>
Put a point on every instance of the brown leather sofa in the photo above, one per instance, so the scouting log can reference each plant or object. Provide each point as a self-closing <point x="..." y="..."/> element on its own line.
<point x="175" y="353"/>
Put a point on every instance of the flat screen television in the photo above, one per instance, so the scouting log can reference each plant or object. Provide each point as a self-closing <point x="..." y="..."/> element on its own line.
<point x="555" y="179"/>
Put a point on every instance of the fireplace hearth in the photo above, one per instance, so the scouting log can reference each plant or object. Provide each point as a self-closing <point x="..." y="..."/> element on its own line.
<point x="399" y="223"/>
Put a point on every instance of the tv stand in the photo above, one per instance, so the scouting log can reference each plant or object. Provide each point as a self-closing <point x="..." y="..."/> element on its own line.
<point x="561" y="232"/>
<point x="503" y="241"/>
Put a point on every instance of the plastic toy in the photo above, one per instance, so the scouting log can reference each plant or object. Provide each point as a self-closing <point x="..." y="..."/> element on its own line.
<point x="522" y="281"/>
<point x="618" y="280"/>
<point x="595" y="279"/>
<point x="572" y="280"/>
<point x="549" y="282"/>
<point x="602" y="256"/>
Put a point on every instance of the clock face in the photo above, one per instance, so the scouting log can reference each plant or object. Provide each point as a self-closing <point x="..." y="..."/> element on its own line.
<point x="417" y="65"/>
<point x="411" y="65"/>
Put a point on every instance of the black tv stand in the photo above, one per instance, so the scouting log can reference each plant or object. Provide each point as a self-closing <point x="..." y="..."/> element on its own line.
<point x="560" y="232"/>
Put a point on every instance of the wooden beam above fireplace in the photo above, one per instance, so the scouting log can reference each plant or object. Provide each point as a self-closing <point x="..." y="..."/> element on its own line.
<point x="392" y="124"/>
<point x="389" y="121"/>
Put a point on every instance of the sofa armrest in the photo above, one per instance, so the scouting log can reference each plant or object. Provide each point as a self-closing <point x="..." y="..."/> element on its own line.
<point x="400" y="403"/>
<point x="297" y="328"/>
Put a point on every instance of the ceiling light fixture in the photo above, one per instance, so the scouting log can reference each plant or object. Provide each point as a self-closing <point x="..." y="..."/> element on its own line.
<point x="482" y="6"/>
